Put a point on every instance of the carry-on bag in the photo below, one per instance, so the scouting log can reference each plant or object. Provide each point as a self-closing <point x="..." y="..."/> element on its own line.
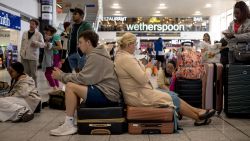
<point x="214" y="87"/>
<point x="57" y="101"/>
<point x="242" y="51"/>
<point x="237" y="91"/>
<point x="149" y="114"/>
<point x="190" y="91"/>
<point x="151" y="128"/>
<point x="150" y="120"/>
<point x="101" y="120"/>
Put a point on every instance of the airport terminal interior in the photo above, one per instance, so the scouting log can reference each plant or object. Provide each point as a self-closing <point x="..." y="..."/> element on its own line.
<point x="189" y="77"/>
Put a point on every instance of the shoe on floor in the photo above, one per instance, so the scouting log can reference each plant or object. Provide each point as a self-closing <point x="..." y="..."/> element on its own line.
<point x="207" y="114"/>
<point x="202" y="122"/>
<point x="64" y="129"/>
<point x="20" y="113"/>
<point x="27" y="117"/>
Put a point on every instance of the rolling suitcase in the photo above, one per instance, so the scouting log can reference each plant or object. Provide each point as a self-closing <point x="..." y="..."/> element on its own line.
<point x="218" y="88"/>
<point x="190" y="91"/>
<point x="214" y="87"/>
<point x="101" y="120"/>
<point x="237" y="89"/>
<point x="149" y="114"/>
<point x="149" y="120"/>
<point x="151" y="128"/>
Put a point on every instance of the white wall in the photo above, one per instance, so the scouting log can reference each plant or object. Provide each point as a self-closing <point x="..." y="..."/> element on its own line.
<point x="29" y="7"/>
<point x="215" y="28"/>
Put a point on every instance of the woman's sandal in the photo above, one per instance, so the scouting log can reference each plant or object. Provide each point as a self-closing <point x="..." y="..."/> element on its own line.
<point x="208" y="114"/>
<point x="203" y="122"/>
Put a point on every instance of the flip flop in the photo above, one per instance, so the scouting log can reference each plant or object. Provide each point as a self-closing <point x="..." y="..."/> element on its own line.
<point x="207" y="114"/>
<point x="204" y="122"/>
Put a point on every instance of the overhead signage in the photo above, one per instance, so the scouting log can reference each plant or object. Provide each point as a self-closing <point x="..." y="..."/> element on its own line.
<point x="122" y="19"/>
<point x="155" y="27"/>
<point x="9" y="20"/>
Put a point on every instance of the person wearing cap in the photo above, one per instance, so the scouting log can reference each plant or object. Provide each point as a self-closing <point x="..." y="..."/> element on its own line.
<point x="32" y="41"/>
<point x="22" y="99"/>
<point x="51" y="56"/>
<point x="75" y="57"/>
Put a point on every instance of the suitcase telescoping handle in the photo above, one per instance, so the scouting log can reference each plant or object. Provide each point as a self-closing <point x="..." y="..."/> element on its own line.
<point x="99" y="125"/>
<point x="100" y="132"/>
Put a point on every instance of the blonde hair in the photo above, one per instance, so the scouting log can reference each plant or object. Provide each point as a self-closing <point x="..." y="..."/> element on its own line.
<point x="126" y="39"/>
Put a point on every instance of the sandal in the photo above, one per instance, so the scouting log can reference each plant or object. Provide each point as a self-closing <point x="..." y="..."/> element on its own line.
<point x="204" y="122"/>
<point x="208" y="114"/>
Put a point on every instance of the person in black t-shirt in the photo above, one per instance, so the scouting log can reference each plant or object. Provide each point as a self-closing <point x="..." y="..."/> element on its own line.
<point x="76" y="58"/>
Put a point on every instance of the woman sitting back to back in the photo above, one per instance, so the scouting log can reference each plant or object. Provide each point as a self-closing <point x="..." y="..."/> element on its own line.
<point x="138" y="91"/>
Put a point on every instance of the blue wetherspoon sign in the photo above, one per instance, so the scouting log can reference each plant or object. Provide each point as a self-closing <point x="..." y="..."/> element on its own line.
<point x="10" y="20"/>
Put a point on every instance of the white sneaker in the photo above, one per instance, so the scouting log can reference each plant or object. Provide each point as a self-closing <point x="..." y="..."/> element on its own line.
<point x="65" y="129"/>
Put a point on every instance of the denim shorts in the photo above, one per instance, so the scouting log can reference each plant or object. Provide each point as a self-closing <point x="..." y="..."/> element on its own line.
<point x="96" y="98"/>
<point x="176" y="100"/>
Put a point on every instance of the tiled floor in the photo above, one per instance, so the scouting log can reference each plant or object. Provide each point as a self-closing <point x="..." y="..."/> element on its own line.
<point x="221" y="129"/>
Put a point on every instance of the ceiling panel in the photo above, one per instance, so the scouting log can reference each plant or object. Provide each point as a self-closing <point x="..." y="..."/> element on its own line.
<point x="175" y="8"/>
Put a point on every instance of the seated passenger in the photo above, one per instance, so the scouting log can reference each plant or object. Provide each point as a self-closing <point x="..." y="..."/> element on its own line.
<point x="165" y="75"/>
<point x="96" y="84"/>
<point x="138" y="91"/>
<point x="22" y="98"/>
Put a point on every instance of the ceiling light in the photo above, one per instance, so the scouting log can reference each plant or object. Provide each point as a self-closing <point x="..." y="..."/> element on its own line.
<point x="157" y="12"/>
<point x="162" y="7"/>
<point x="116" y="6"/>
<point x="208" y="5"/>
<point x="117" y="12"/>
<point x="157" y="15"/>
<point x="162" y="4"/>
<point x="197" y="12"/>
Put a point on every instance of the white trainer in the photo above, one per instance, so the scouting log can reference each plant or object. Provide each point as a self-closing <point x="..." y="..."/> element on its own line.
<point x="64" y="129"/>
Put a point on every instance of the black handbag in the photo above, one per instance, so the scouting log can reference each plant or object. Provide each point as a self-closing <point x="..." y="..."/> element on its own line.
<point x="242" y="51"/>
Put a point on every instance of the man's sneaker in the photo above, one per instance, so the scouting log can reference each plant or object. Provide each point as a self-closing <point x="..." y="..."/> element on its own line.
<point x="65" y="129"/>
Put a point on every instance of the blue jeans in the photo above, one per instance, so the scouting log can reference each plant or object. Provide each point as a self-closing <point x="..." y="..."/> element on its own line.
<point x="76" y="61"/>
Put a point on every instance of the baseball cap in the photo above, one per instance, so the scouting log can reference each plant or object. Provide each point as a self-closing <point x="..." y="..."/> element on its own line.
<point x="77" y="10"/>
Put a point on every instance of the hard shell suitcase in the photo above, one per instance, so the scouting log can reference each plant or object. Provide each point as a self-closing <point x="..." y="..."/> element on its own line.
<point x="218" y="88"/>
<point x="150" y="120"/>
<point x="237" y="90"/>
<point x="190" y="91"/>
<point x="101" y="120"/>
<point x="151" y="128"/>
<point x="101" y="126"/>
<point x="149" y="114"/>
<point x="209" y="86"/>
<point x="214" y="87"/>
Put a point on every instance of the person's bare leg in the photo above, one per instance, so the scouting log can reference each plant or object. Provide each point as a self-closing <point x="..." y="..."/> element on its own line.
<point x="72" y="94"/>
<point x="189" y="111"/>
